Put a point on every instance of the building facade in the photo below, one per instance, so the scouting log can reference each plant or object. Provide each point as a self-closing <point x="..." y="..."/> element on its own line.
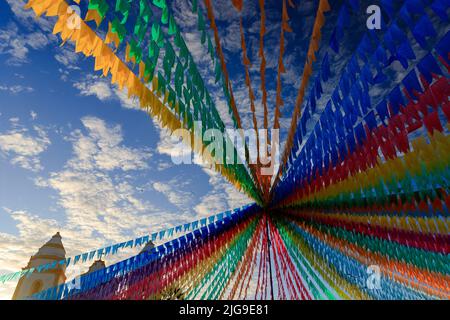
<point x="50" y="252"/>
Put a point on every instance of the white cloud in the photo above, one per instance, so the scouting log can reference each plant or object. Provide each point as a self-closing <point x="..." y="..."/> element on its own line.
<point x="32" y="229"/>
<point x="27" y="17"/>
<point x="174" y="192"/>
<point x="14" y="121"/>
<point x="15" y="89"/>
<point x="22" y="148"/>
<point x="95" y="189"/>
<point x="68" y="58"/>
<point x="98" y="198"/>
<point x="15" y="251"/>
<point x="164" y="165"/>
<point x="65" y="74"/>
<point x="223" y="196"/>
<point x="231" y="40"/>
<point x="101" y="88"/>
<point x="102" y="148"/>
<point x="126" y="102"/>
<point x="92" y="188"/>
<point x="169" y="145"/>
<point x="17" y="45"/>
<point x="99" y="201"/>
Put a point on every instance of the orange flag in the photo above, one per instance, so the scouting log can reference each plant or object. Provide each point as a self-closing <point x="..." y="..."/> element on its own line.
<point x="319" y="22"/>
<point x="90" y="44"/>
<point x="262" y="68"/>
<point x="210" y="10"/>
<point x="281" y="69"/>
<point x="238" y="4"/>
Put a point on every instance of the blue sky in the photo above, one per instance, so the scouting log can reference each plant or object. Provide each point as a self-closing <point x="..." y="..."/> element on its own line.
<point x="77" y="156"/>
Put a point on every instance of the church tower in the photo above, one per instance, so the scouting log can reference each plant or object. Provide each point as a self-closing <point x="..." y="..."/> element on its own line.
<point x="50" y="252"/>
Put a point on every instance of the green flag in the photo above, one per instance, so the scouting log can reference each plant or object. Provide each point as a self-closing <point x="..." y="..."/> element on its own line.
<point x="160" y="3"/>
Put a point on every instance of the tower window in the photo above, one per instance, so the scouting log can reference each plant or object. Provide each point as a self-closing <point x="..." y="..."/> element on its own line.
<point x="36" y="287"/>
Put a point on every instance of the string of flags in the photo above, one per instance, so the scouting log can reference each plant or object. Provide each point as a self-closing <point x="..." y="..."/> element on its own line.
<point x="132" y="243"/>
<point x="394" y="43"/>
<point x="174" y="108"/>
<point x="150" y="272"/>
<point x="360" y="207"/>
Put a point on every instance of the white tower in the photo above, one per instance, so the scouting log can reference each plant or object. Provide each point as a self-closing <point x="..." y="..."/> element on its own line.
<point x="50" y="252"/>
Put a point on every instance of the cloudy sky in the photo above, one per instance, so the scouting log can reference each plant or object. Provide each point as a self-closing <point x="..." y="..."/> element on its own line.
<point x="77" y="156"/>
